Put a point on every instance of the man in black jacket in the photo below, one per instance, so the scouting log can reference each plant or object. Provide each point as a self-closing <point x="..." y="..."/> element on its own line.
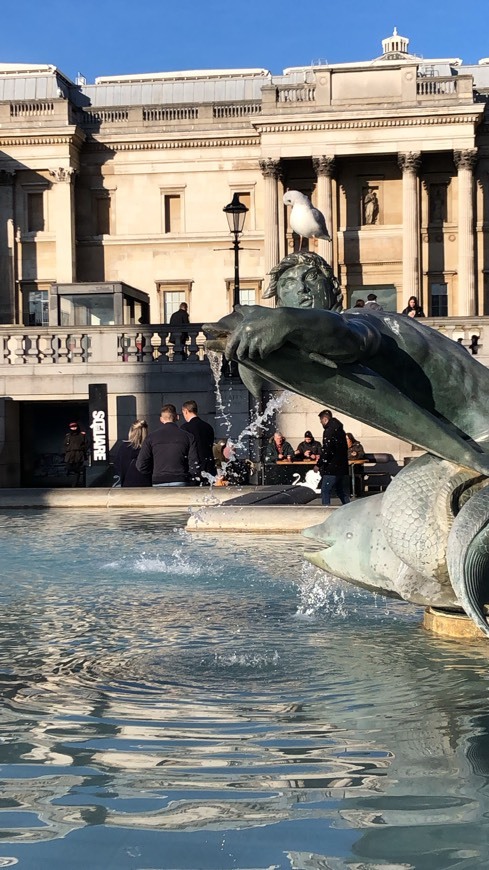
<point x="178" y="336"/>
<point x="169" y="454"/>
<point x="333" y="463"/>
<point x="204" y="438"/>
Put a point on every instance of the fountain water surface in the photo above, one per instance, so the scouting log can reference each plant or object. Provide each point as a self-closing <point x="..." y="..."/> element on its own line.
<point x="176" y="703"/>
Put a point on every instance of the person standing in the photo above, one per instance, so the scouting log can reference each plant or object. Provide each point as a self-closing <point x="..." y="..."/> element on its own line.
<point x="75" y="450"/>
<point x="169" y="455"/>
<point x="178" y="337"/>
<point x="125" y="461"/>
<point x="204" y="438"/>
<point x="333" y="463"/>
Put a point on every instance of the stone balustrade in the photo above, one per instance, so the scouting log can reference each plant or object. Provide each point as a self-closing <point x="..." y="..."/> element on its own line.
<point x="463" y="330"/>
<point x="47" y="346"/>
<point x="302" y="93"/>
<point x="30" y="345"/>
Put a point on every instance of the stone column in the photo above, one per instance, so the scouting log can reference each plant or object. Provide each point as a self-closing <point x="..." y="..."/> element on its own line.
<point x="271" y="171"/>
<point x="64" y="224"/>
<point x="466" y="302"/>
<point x="409" y="164"/>
<point x="324" y="168"/>
<point x="7" y="247"/>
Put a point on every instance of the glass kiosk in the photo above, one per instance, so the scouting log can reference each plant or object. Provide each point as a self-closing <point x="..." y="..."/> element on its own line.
<point x="109" y="303"/>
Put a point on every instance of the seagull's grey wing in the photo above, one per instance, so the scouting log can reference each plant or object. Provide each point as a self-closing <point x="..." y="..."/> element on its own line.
<point x="319" y="218"/>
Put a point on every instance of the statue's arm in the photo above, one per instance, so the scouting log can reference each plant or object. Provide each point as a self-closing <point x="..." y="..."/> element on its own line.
<point x="263" y="330"/>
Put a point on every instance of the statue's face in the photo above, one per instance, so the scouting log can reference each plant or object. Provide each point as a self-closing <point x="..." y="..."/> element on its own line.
<point x="302" y="287"/>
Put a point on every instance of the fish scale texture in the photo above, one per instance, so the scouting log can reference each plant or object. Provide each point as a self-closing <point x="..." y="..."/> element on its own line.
<point x="417" y="513"/>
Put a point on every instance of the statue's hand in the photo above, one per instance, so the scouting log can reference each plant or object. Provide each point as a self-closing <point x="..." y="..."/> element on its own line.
<point x="261" y="331"/>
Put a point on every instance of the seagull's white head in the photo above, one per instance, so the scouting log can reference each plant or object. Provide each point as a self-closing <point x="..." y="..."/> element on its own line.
<point x="292" y="197"/>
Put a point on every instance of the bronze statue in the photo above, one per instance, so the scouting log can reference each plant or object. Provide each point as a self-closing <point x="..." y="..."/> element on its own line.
<point x="406" y="379"/>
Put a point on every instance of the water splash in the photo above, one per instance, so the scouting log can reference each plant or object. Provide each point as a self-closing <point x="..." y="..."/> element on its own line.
<point x="255" y="428"/>
<point x="177" y="563"/>
<point x="320" y="591"/>
<point x="215" y="362"/>
<point x="254" y="660"/>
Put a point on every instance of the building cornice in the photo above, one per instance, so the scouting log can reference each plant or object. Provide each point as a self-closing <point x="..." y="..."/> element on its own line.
<point x="173" y="143"/>
<point x="307" y="125"/>
<point x="74" y="137"/>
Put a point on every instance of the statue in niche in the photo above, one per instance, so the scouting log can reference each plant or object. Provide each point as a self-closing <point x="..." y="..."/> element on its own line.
<point x="438" y="203"/>
<point x="426" y="539"/>
<point x="370" y="206"/>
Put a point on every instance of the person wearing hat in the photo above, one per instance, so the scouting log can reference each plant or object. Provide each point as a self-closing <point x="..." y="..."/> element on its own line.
<point x="333" y="463"/>
<point x="75" y="450"/>
<point x="309" y="449"/>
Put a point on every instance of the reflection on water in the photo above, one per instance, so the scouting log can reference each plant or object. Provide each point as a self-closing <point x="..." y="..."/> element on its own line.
<point x="213" y="702"/>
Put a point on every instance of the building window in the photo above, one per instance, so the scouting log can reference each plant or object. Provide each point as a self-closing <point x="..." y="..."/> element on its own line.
<point x="172" y="294"/>
<point x="439" y="300"/>
<point x="172" y="300"/>
<point x="35" y="303"/>
<point x="35" y="212"/>
<point x="249" y="292"/>
<point x="247" y="296"/>
<point x="38" y="308"/>
<point x="102" y="215"/>
<point x="172" y="216"/>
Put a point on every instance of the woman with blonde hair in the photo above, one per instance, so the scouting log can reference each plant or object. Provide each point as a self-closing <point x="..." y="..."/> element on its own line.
<point x="125" y="462"/>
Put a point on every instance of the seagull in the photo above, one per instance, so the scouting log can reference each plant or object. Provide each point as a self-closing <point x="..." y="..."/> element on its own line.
<point x="305" y="220"/>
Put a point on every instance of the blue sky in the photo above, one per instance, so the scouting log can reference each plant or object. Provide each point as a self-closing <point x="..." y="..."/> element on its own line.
<point x="104" y="37"/>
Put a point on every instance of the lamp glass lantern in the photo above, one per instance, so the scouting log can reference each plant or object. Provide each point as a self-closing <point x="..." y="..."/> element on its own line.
<point x="236" y="216"/>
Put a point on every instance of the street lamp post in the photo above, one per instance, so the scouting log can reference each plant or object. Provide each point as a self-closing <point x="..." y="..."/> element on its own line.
<point x="236" y="215"/>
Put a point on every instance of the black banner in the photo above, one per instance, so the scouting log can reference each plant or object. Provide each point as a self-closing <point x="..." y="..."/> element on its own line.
<point x="98" y="413"/>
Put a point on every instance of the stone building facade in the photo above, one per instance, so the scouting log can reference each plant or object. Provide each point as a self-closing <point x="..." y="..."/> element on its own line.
<point x="125" y="180"/>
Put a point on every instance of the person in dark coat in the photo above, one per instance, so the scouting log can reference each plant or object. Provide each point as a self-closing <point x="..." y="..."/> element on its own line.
<point x="309" y="449"/>
<point x="169" y="454"/>
<point x="75" y="450"/>
<point x="333" y="463"/>
<point x="278" y="449"/>
<point x="125" y="461"/>
<point x="413" y="308"/>
<point x="355" y="449"/>
<point x="204" y="438"/>
<point x="178" y="337"/>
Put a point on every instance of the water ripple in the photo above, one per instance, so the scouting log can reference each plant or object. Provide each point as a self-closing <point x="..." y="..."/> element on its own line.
<point x="156" y="687"/>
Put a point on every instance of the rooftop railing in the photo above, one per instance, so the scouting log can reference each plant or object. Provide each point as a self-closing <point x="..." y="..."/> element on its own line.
<point x="275" y="98"/>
